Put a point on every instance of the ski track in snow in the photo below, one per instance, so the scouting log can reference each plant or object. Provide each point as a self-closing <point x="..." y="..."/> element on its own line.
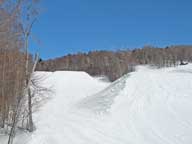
<point x="149" y="106"/>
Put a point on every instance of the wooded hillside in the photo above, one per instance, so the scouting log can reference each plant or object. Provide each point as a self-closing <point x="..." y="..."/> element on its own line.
<point x="115" y="64"/>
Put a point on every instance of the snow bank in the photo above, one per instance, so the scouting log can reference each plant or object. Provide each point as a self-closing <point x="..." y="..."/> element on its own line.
<point x="149" y="106"/>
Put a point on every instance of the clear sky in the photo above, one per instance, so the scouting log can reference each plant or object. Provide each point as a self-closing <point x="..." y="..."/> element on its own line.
<point x="71" y="26"/>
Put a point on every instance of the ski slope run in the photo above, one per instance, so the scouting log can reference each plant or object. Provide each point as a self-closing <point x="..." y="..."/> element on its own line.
<point x="149" y="106"/>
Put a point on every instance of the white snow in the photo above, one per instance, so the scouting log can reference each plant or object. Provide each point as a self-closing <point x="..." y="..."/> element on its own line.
<point x="149" y="106"/>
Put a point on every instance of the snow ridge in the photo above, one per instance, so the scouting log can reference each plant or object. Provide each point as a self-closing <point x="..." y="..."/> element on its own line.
<point x="102" y="101"/>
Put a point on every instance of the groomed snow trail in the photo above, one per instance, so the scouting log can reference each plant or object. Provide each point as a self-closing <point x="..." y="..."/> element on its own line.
<point x="149" y="106"/>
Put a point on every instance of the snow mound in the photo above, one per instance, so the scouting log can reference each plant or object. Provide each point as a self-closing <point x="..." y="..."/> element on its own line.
<point x="149" y="106"/>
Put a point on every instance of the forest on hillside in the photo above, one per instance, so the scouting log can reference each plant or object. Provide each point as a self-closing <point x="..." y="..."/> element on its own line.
<point x="114" y="64"/>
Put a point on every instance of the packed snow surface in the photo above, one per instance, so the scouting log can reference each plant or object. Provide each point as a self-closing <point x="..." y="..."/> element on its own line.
<point x="149" y="106"/>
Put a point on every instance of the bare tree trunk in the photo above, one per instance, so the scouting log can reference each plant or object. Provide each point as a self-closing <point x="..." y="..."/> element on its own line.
<point x="12" y="132"/>
<point x="28" y="74"/>
<point x="15" y="118"/>
<point x="30" y="125"/>
<point x="3" y="93"/>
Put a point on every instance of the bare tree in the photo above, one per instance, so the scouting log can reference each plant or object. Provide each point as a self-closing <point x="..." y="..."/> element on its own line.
<point x="18" y="86"/>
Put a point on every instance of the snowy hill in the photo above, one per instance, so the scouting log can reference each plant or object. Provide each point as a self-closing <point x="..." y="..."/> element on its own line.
<point x="149" y="106"/>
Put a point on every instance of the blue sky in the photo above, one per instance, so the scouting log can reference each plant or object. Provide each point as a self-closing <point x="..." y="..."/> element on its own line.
<point x="71" y="26"/>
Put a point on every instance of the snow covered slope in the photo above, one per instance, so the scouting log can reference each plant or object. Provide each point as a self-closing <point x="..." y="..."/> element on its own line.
<point x="149" y="106"/>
